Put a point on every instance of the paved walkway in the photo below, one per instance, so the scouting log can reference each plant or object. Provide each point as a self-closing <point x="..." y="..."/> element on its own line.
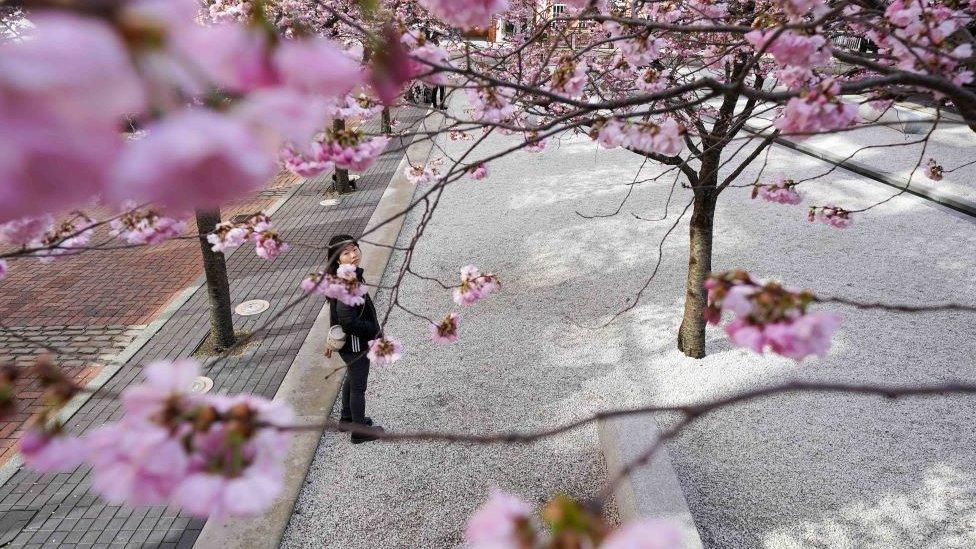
<point x="59" y="510"/>
<point x="789" y="472"/>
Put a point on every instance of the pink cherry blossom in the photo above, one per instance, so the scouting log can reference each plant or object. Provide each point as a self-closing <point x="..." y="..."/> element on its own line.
<point x="644" y="534"/>
<point x="281" y="115"/>
<point x="384" y="350"/>
<point x="807" y="335"/>
<point x="228" y="477"/>
<point x="268" y="245"/>
<point x="610" y="133"/>
<point x="345" y="286"/>
<point x="474" y="286"/>
<point x="791" y="49"/>
<point x="831" y="215"/>
<point x="68" y="238"/>
<point x="466" y="13"/>
<point x="447" y="330"/>
<point x="419" y="174"/>
<point x="498" y="522"/>
<point x="26" y="230"/>
<point x="51" y="452"/>
<point x="427" y="57"/>
<point x="146" y="227"/>
<point x="737" y="300"/>
<point x="3" y="269"/>
<point x="782" y="191"/>
<point x="163" y="381"/>
<point x="479" y="171"/>
<point x="62" y="71"/>
<point x="226" y="56"/>
<point x="207" y="495"/>
<point x="796" y="9"/>
<point x="305" y="165"/>
<point x="136" y="462"/>
<point x="652" y="81"/>
<point x="317" y="66"/>
<point x="353" y="151"/>
<point x="491" y="105"/>
<point x="569" y="77"/>
<point x="534" y="143"/>
<point x="664" y="138"/>
<point x="227" y="236"/>
<point x="638" y="51"/>
<point x="195" y="159"/>
<point x="356" y="107"/>
<point x="745" y="334"/>
<point x="817" y="111"/>
<point x="50" y="164"/>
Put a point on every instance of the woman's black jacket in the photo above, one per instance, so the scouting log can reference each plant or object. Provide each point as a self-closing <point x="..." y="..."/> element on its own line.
<point x="358" y="321"/>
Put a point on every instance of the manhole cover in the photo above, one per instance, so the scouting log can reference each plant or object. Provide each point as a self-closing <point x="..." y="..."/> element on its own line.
<point x="201" y="385"/>
<point x="329" y="202"/>
<point x="252" y="307"/>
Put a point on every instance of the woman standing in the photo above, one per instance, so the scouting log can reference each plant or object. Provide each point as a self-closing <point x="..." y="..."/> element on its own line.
<point x="361" y="326"/>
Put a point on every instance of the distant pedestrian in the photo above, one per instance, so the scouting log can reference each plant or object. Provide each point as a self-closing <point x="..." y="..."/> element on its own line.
<point x="361" y="326"/>
<point x="438" y="90"/>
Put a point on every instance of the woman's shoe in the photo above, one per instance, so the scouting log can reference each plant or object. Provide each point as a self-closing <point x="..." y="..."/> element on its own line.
<point x="357" y="438"/>
<point x="343" y="429"/>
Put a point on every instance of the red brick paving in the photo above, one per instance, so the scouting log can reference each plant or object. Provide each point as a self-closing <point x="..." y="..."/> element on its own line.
<point x="118" y="287"/>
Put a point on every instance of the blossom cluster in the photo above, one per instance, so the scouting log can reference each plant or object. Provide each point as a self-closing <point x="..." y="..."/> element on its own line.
<point x="663" y="138"/>
<point x="347" y="149"/>
<point x="146" y="226"/>
<point x="211" y="455"/>
<point x="569" y="77"/>
<point x="917" y="34"/>
<point x="474" y="286"/>
<point x="782" y="191"/>
<point x="817" y="110"/>
<point x="47" y="239"/>
<point x="344" y="286"/>
<point x="506" y="521"/>
<point x="257" y="228"/>
<point x="767" y="315"/>
<point x="831" y="215"/>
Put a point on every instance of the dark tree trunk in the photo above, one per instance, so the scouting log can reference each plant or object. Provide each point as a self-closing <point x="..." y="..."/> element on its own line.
<point x="341" y="176"/>
<point x="218" y="288"/>
<point x="387" y="127"/>
<point x="691" y="334"/>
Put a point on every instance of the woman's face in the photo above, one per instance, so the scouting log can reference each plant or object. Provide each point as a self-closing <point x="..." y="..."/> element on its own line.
<point x="350" y="255"/>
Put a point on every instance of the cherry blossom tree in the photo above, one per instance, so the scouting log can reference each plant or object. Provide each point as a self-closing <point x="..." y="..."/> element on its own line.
<point x="224" y="93"/>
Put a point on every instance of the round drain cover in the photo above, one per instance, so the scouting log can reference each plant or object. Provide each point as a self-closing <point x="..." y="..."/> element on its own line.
<point x="329" y="202"/>
<point x="252" y="307"/>
<point x="201" y="385"/>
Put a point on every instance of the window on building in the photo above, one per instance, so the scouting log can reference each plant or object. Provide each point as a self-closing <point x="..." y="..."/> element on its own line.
<point x="558" y="9"/>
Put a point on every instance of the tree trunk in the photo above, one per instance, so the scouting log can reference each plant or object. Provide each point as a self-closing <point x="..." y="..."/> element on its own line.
<point x="691" y="334"/>
<point x="218" y="288"/>
<point x="341" y="176"/>
<point x="387" y="127"/>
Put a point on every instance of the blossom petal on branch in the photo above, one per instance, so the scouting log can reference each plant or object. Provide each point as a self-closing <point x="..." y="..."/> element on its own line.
<point x="196" y="159"/>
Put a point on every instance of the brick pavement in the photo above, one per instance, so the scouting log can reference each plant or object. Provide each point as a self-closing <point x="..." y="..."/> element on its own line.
<point x="87" y="350"/>
<point x="47" y="510"/>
